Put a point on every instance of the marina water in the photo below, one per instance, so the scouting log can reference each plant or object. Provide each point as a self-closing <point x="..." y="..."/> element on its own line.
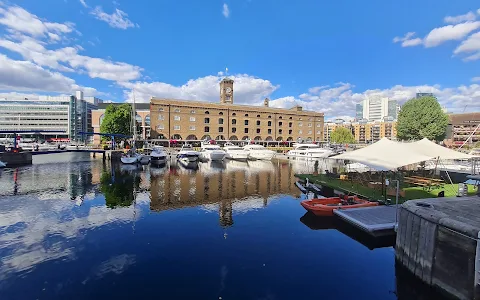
<point x="72" y="227"/>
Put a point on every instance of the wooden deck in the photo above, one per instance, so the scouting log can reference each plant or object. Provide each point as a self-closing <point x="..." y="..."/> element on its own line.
<point x="377" y="220"/>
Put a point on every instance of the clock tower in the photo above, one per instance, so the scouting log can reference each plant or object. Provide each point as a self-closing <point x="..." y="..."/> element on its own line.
<point x="226" y="91"/>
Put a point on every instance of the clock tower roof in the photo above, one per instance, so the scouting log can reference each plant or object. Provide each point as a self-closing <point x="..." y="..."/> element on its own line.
<point x="227" y="79"/>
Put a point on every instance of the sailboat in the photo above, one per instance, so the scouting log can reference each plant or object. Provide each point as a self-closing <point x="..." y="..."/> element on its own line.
<point x="132" y="156"/>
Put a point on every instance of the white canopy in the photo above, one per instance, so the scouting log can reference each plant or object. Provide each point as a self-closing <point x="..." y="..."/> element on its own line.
<point x="436" y="151"/>
<point x="385" y="155"/>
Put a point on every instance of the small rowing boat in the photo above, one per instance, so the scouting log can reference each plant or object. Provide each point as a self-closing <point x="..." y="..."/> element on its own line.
<point x="325" y="207"/>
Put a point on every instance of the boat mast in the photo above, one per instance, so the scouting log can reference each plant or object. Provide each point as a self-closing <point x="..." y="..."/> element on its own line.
<point x="134" y="121"/>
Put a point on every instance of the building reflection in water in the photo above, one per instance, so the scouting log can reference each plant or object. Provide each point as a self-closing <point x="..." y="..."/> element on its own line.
<point x="225" y="184"/>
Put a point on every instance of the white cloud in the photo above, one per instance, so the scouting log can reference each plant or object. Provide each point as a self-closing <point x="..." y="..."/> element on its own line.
<point x="472" y="44"/>
<point x="20" y="20"/>
<point x="83" y="3"/>
<point x="475" y="79"/>
<point x="450" y="32"/>
<point x="478" y="11"/>
<point x="118" y="19"/>
<point x="226" y="10"/>
<point x="248" y="89"/>
<point x="470" y="16"/>
<point x="408" y="40"/>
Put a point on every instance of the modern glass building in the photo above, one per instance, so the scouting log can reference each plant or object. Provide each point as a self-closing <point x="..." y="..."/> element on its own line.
<point x="64" y="117"/>
<point x="358" y="112"/>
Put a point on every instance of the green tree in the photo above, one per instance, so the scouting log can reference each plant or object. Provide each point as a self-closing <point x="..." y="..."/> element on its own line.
<point x="117" y="119"/>
<point x="119" y="188"/>
<point x="342" y="135"/>
<point x="422" y="118"/>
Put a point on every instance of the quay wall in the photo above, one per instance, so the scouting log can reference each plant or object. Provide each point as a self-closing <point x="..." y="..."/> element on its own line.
<point x="16" y="159"/>
<point x="438" y="242"/>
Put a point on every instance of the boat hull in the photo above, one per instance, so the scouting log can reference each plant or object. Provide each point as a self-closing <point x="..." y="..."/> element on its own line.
<point x="261" y="156"/>
<point x="237" y="156"/>
<point x="325" y="207"/>
<point x="129" y="159"/>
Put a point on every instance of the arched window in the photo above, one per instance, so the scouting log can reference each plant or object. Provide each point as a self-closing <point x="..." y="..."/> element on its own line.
<point x="234" y="114"/>
<point x="221" y="113"/>
<point x="101" y="119"/>
<point x="147" y="120"/>
<point x="280" y="117"/>
<point x="269" y="117"/>
<point x="246" y="115"/>
<point x="207" y="112"/>
<point x="258" y="116"/>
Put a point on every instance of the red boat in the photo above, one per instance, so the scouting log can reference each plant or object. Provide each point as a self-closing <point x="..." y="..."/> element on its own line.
<point x="325" y="207"/>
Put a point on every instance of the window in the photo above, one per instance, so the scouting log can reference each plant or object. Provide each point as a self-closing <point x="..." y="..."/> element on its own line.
<point x="234" y="129"/>
<point x="300" y="119"/>
<point x="269" y="131"/>
<point x="309" y="124"/>
<point x="220" y="121"/>
<point x="258" y="116"/>
<point x="290" y="131"/>
<point x="280" y="123"/>
<point x="280" y="131"/>
<point x="269" y="123"/>
<point x="299" y="132"/>
<point x="160" y="109"/>
<point x="192" y="119"/>
<point x="309" y="132"/>
<point x="269" y="117"/>
<point x="220" y="129"/>
<point x="207" y="120"/>
<point x="300" y="124"/>
<point x="192" y="127"/>
<point x="177" y="110"/>
<point x="192" y="111"/>
<point x="246" y="130"/>
<point x="176" y="118"/>
<point x="207" y="129"/>
<point x="290" y="118"/>
<point x="258" y="123"/>
<point x="221" y="113"/>
<point x="160" y="127"/>
<point x="176" y="127"/>
<point x="207" y="112"/>
<point x="161" y="117"/>
<point x="246" y="122"/>
<point x="234" y="114"/>
<point x="258" y="130"/>
<point x="319" y="132"/>
<point x="319" y="125"/>
<point x="234" y="121"/>
<point x="290" y="124"/>
<point x="280" y="117"/>
<point x="246" y="115"/>
<point x="309" y="119"/>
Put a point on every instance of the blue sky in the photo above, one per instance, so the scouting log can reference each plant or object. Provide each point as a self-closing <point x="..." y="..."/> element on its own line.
<point x="324" y="55"/>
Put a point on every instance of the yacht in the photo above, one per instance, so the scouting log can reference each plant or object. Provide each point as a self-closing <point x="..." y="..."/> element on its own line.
<point x="235" y="152"/>
<point x="158" y="155"/>
<point x="187" y="154"/>
<point x="309" y="151"/>
<point x="258" y="152"/>
<point x="131" y="157"/>
<point x="211" y="152"/>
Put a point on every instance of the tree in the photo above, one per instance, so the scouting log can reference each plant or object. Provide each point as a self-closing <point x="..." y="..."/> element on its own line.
<point x="422" y="118"/>
<point x="119" y="188"/>
<point x="342" y="135"/>
<point x="117" y="119"/>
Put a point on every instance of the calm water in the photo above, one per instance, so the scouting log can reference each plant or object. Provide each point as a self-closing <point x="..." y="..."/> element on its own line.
<point x="75" y="228"/>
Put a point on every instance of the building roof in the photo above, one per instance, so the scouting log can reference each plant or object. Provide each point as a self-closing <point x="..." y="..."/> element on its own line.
<point x="473" y="117"/>
<point x="240" y="107"/>
<point x="138" y="106"/>
<point x="227" y="79"/>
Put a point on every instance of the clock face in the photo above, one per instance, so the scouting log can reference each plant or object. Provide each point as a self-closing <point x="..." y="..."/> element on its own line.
<point x="228" y="90"/>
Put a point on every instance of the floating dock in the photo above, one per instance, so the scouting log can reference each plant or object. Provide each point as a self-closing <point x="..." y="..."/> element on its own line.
<point x="376" y="220"/>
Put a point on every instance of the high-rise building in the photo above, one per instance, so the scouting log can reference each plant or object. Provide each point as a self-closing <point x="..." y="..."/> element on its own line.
<point x="420" y="95"/>
<point x="392" y="109"/>
<point x="358" y="111"/>
<point x="375" y="108"/>
<point x="63" y="116"/>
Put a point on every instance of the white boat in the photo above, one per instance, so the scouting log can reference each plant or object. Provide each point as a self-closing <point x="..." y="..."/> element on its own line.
<point x="158" y="155"/>
<point x="211" y="152"/>
<point x="258" y="152"/>
<point x="187" y="154"/>
<point x="131" y="157"/>
<point x="235" y="152"/>
<point x="475" y="152"/>
<point x="313" y="151"/>
<point x="2" y="164"/>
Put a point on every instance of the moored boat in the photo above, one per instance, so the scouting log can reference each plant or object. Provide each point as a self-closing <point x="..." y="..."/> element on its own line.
<point x="325" y="207"/>
<point x="187" y="154"/>
<point x="235" y="152"/>
<point x="158" y="155"/>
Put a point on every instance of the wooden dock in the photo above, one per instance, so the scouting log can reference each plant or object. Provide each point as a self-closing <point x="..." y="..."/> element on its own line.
<point x="376" y="220"/>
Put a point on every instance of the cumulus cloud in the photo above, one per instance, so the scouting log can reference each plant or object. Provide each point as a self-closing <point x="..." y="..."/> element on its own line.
<point x="408" y="40"/>
<point x="475" y="79"/>
<point x="226" y="11"/>
<point x="470" y="16"/>
<point x="117" y="19"/>
<point x="470" y="45"/>
<point x="450" y="32"/>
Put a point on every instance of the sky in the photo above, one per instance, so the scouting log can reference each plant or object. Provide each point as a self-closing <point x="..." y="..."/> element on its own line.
<point x="324" y="55"/>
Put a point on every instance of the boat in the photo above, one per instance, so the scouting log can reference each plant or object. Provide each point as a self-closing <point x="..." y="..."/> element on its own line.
<point x="2" y="164"/>
<point x="132" y="156"/>
<point x="210" y="151"/>
<point x="325" y="207"/>
<point x="475" y="152"/>
<point x="158" y="155"/>
<point x="258" y="152"/>
<point x="235" y="152"/>
<point x="309" y="150"/>
<point x="187" y="154"/>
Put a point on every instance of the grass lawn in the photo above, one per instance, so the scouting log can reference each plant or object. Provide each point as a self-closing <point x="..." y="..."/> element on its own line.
<point x="375" y="194"/>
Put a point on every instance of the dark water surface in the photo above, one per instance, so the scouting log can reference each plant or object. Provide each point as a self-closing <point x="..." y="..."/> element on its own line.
<point x="75" y="228"/>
